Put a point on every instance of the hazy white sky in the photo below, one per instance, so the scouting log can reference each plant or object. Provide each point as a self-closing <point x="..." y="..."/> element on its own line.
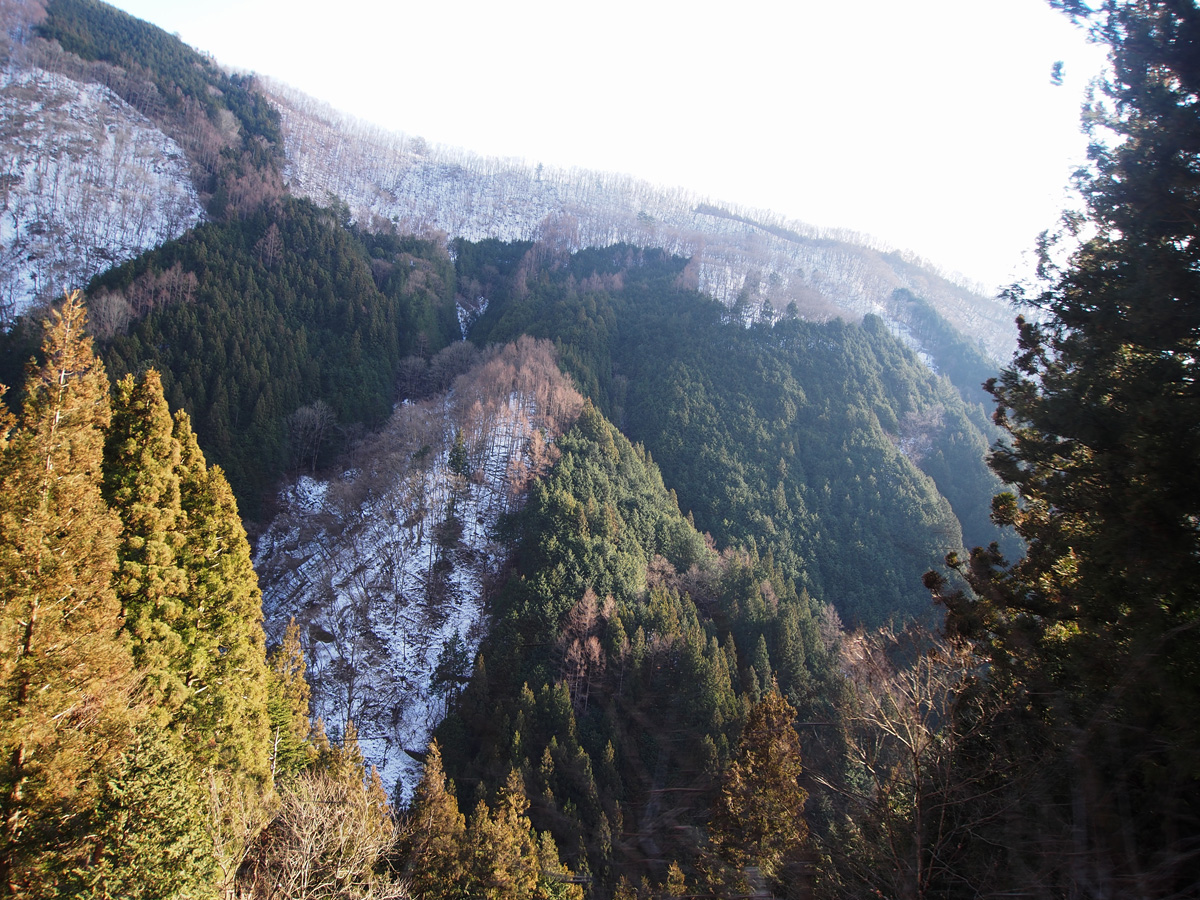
<point x="931" y="124"/>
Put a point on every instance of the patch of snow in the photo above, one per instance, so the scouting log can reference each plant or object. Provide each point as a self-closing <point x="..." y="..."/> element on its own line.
<point x="86" y="182"/>
<point x="308" y="494"/>
<point x="386" y="564"/>
<point x="906" y="337"/>
<point x="468" y="315"/>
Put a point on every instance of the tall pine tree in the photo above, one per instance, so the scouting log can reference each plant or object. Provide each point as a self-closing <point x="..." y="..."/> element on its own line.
<point x="133" y="679"/>
<point x="141" y="470"/>
<point x="758" y="829"/>
<point x="1097" y="629"/>
<point x="65" y="666"/>
<point x="225" y="722"/>
<point x="193" y="608"/>
<point x="433" y="840"/>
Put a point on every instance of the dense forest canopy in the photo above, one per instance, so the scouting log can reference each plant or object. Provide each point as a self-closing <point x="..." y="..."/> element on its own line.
<point x="616" y="604"/>
<point x="707" y="666"/>
<point x="276" y="312"/>
<point x="828" y="445"/>
<point x="95" y="31"/>
<point x="230" y="130"/>
<point x="255" y="321"/>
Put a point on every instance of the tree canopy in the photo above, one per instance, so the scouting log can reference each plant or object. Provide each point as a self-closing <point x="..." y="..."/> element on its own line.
<point x="1097" y="627"/>
<point x="828" y="445"/>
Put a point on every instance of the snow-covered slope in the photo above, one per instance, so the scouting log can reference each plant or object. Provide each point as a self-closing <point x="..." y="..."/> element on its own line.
<point x="387" y="567"/>
<point x="85" y="182"/>
<point x="754" y="254"/>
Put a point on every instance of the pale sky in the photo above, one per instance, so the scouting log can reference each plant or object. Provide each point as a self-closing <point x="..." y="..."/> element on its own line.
<point x="929" y="124"/>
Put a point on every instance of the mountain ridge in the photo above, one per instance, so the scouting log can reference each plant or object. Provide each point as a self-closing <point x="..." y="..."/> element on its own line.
<point x="754" y="254"/>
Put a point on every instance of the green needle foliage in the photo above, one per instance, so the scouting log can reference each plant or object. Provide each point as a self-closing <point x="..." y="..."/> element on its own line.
<point x="619" y="670"/>
<point x="134" y="731"/>
<point x="65" y="665"/>
<point x="190" y="596"/>
<point x="1097" y="629"/>
<point x="251" y="320"/>
<point x="150" y="839"/>
<point x="758" y="825"/>
<point x="142" y="469"/>
<point x="829" y="446"/>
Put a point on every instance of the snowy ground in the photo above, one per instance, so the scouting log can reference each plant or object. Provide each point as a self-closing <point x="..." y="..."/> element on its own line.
<point x="384" y="567"/>
<point x="86" y="182"/>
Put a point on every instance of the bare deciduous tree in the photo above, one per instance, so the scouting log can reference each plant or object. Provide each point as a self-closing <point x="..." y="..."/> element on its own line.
<point x="581" y="657"/>
<point x="916" y="704"/>
<point x="326" y="841"/>
<point x="310" y="426"/>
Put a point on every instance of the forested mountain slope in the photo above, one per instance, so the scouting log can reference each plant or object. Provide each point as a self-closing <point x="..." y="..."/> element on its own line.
<point x="278" y="311"/>
<point x="280" y="332"/>
<point x="623" y="659"/>
<point x="618" y="604"/>
<point x="738" y="253"/>
<point x="387" y="568"/>
<point x="117" y="136"/>
<point x="650" y="713"/>
<point x="236" y="144"/>
<point x="828" y="444"/>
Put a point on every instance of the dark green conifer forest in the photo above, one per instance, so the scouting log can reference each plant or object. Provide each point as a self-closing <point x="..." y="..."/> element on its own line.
<point x="283" y="309"/>
<point x="784" y="613"/>
<point x="1093" y="634"/>
<point x="826" y="445"/>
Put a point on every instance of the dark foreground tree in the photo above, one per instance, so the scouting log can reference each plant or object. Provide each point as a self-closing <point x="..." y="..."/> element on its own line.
<point x="1098" y="627"/>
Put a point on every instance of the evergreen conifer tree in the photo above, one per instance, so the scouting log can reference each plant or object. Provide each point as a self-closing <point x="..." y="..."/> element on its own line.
<point x="190" y="595"/>
<point x="65" y="666"/>
<point x="141" y="472"/>
<point x="192" y="607"/>
<point x="287" y="706"/>
<point x="224" y="723"/>
<point x="1097" y="628"/>
<point x="149" y="839"/>
<point x="228" y="721"/>
<point x="758" y="826"/>
<point x="135" y="751"/>
<point x="433" y="842"/>
<point x="502" y="853"/>
<point x="457" y="460"/>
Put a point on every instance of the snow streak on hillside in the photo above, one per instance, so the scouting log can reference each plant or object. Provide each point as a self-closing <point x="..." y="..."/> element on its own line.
<point x="751" y="255"/>
<point x="387" y="568"/>
<point x="85" y="182"/>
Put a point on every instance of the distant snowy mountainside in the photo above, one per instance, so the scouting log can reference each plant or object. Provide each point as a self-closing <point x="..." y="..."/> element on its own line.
<point x="748" y="256"/>
<point x="86" y="182"/>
